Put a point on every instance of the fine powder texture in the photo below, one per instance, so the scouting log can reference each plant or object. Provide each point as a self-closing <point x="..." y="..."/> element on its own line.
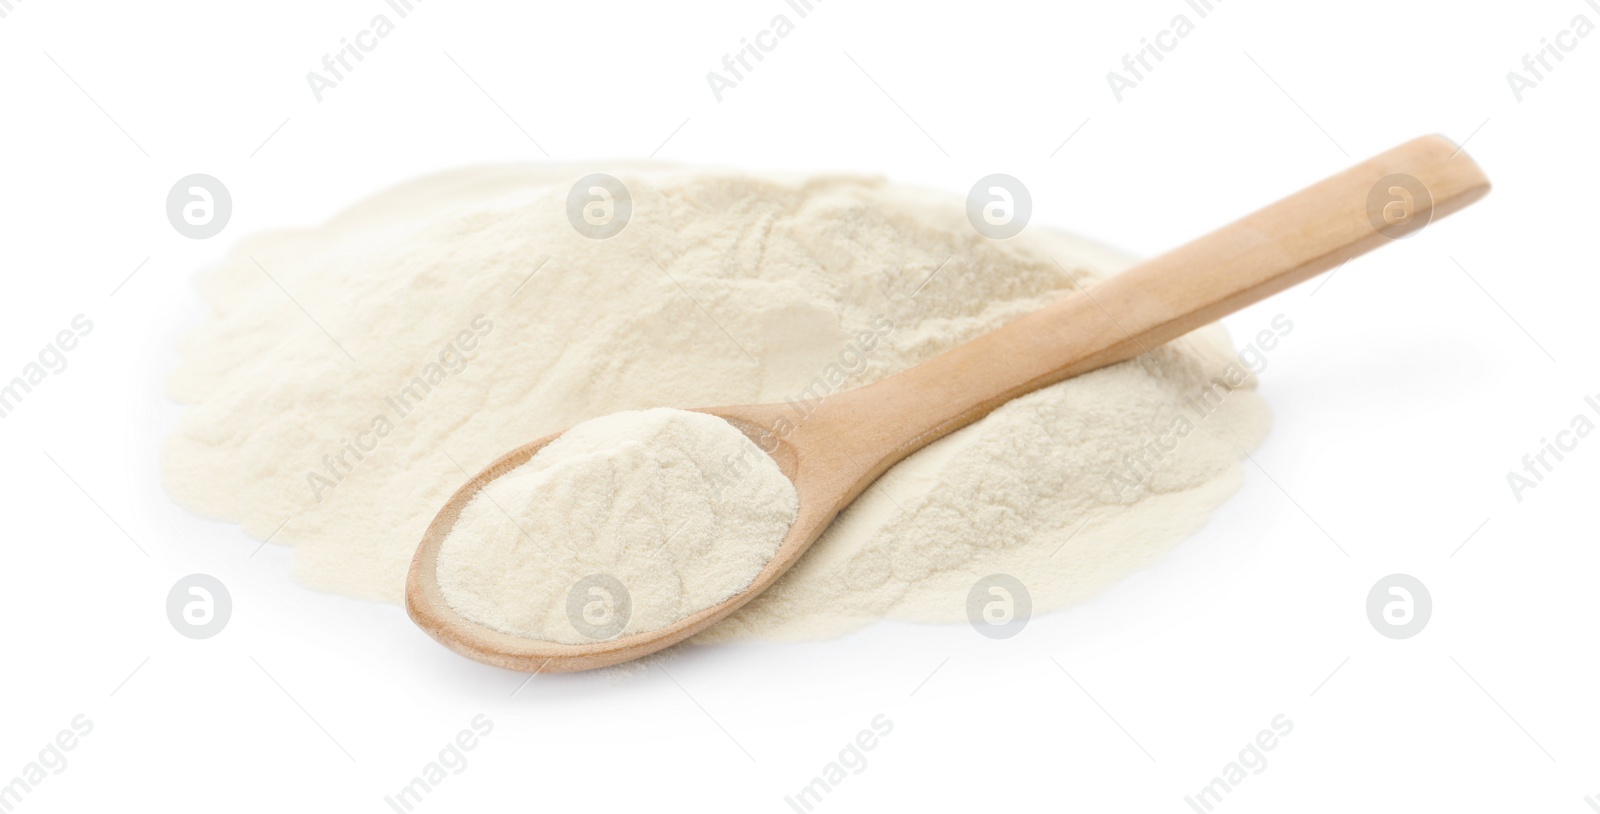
<point x="396" y="350"/>
<point x="626" y="498"/>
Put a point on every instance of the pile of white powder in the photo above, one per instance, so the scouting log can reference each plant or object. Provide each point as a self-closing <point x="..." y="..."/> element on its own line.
<point x="476" y="318"/>
<point x="625" y="498"/>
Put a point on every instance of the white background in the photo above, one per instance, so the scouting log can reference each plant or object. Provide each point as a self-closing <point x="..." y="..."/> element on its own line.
<point x="1413" y="382"/>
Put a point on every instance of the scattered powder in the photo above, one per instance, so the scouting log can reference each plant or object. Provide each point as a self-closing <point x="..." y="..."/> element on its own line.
<point x="627" y="497"/>
<point x="476" y="318"/>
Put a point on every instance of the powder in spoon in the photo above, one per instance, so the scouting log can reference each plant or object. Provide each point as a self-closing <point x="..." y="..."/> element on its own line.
<point x="618" y="526"/>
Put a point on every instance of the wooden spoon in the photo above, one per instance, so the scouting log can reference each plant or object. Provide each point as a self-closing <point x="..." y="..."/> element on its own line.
<point x="853" y="437"/>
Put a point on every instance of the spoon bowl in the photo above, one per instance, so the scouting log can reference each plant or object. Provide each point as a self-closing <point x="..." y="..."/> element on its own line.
<point x="427" y="606"/>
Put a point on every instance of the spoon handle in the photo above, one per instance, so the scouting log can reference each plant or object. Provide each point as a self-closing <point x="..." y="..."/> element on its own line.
<point x="1288" y="242"/>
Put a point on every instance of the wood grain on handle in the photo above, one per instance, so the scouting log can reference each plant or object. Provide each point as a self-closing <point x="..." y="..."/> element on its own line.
<point x="1288" y="242"/>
